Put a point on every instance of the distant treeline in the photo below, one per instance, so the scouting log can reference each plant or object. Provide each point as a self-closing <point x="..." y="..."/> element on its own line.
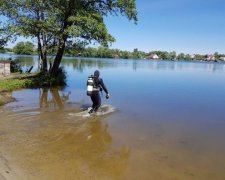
<point x="28" y="48"/>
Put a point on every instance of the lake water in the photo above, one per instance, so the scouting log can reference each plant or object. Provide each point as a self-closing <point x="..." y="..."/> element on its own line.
<point x="168" y="123"/>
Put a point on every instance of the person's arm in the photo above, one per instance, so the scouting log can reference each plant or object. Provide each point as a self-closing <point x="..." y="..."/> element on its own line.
<point x="103" y="86"/>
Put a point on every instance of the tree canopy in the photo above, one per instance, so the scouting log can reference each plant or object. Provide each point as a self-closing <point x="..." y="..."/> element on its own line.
<point x="24" y="48"/>
<point x="57" y="24"/>
<point x="4" y="35"/>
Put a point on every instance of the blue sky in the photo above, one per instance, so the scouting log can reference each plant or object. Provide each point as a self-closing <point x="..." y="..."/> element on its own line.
<point x="189" y="26"/>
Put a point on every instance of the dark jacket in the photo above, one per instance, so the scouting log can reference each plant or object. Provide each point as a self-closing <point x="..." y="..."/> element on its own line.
<point x="98" y="83"/>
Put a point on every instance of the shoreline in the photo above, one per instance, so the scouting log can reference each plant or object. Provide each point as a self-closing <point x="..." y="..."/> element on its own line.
<point x="6" y="97"/>
<point x="6" y="94"/>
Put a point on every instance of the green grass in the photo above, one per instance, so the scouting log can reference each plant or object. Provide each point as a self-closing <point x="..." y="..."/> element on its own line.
<point x="13" y="84"/>
<point x="33" y="81"/>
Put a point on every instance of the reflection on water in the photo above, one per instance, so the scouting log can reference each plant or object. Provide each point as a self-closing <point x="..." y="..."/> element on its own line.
<point x="56" y="101"/>
<point x="169" y="124"/>
<point x="81" y="64"/>
<point x="61" y="148"/>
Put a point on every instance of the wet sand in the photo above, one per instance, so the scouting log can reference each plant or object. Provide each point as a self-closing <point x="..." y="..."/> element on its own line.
<point x="38" y="144"/>
<point x="8" y="171"/>
<point x="4" y="168"/>
<point x="44" y="149"/>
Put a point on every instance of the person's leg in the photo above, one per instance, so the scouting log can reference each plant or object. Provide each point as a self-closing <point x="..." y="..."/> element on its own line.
<point x="95" y="101"/>
<point x="98" y="102"/>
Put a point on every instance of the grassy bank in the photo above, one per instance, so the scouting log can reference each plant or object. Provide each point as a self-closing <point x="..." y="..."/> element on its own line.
<point x="20" y="81"/>
<point x="13" y="82"/>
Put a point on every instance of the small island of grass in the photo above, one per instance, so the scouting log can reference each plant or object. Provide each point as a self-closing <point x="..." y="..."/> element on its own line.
<point x="20" y="81"/>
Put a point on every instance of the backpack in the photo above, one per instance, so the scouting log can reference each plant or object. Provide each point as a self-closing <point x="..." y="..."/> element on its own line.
<point x="90" y="85"/>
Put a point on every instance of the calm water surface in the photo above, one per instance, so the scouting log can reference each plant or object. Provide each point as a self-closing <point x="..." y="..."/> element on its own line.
<point x="169" y="123"/>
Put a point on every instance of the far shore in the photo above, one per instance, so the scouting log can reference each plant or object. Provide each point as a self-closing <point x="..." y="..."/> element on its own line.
<point x="121" y="57"/>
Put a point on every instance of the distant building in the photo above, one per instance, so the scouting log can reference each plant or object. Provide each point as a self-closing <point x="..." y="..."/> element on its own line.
<point x="210" y="57"/>
<point x="222" y="58"/>
<point x="192" y="56"/>
<point x="116" y="56"/>
<point x="153" y="56"/>
<point x="4" y="67"/>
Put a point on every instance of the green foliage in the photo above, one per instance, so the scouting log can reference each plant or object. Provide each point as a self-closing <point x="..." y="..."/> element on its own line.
<point x="2" y="50"/>
<point x="36" y="81"/>
<point x="187" y="57"/>
<point x="3" y="40"/>
<point x="24" y="48"/>
<point x="5" y="32"/>
<point x="12" y="84"/>
<point x="218" y="56"/>
<point x="199" y="57"/>
<point x="54" y="23"/>
<point x="103" y="52"/>
<point x="164" y="55"/>
<point x="181" y="56"/>
<point x="137" y="54"/>
<point x="47" y="80"/>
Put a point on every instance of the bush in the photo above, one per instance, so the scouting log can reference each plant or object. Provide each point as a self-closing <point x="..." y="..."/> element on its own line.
<point x="47" y="80"/>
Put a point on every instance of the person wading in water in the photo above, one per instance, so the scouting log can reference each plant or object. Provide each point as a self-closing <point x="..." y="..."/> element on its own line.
<point x="98" y="85"/>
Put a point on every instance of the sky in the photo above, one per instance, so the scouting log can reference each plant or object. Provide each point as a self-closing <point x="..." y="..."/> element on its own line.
<point x="188" y="26"/>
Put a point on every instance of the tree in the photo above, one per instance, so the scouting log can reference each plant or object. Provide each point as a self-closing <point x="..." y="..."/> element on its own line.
<point x="173" y="55"/>
<point x="58" y="23"/>
<point x="137" y="54"/>
<point x="4" y="35"/>
<point x="2" y="42"/>
<point x="199" y="57"/>
<point x="24" y="48"/>
<point x="181" y="56"/>
<point x="187" y="57"/>
<point x="216" y="55"/>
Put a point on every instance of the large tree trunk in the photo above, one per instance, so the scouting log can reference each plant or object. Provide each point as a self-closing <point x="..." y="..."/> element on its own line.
<point x="42" y="50"/>
<point x="58" y="58"/>
<point x="42" y="43"/>
<point x="43" y="54"/>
